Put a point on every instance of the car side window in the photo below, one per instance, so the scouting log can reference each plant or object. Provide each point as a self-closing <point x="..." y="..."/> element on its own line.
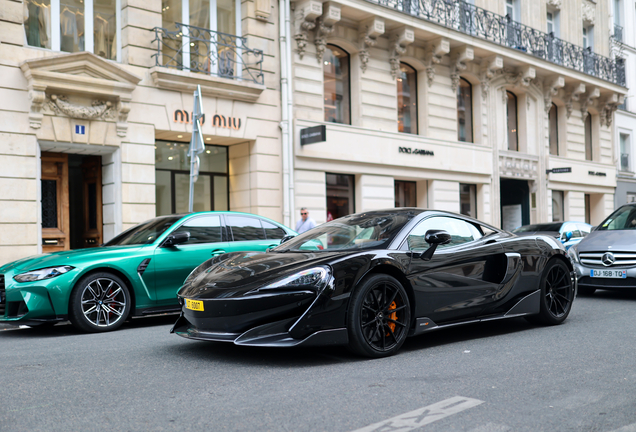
<point x="585" y="230"/>
<point x="202" y="229"/>
<point x="245" y="228"/>
<point x="273" y="231"/>
<point x="576" y="233"/>
<point x="460" y="231"/>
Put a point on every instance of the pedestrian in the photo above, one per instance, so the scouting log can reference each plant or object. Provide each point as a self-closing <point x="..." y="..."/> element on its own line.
<point x="305" y="223"/>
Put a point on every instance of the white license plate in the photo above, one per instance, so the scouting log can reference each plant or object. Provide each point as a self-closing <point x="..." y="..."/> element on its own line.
<point x="613" y="274"/>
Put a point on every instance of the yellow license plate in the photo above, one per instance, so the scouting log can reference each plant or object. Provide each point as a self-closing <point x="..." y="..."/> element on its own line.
<point x="195" y="305"/>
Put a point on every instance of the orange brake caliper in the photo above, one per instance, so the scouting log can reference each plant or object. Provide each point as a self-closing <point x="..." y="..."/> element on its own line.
<point x="392" y="316"/>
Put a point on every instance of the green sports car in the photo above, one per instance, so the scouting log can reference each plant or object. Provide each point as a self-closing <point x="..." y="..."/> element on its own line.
<point x="136" y="273"/>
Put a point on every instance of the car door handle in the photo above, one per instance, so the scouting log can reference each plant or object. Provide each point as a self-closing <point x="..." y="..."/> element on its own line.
<point x="217" y="252"/>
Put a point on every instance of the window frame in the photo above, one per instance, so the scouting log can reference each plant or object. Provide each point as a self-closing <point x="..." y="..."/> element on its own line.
<point x="472" y="119"/>
<point x="224" y="234"/>
<point x="587" y="124"/>
<point x="346" y="121"/>
<point x="404" y="246"/>
<point x="628" y="143"/>
<point x="413" y="95"/>
<point x="89" y="43"/>
<point x="508" y="129"/>
<point x="556" y="131"/>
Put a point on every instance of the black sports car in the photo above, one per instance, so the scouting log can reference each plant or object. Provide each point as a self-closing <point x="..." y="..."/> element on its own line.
<point x="369" y="280"/>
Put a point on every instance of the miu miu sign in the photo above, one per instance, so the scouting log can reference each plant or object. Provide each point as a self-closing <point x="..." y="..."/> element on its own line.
<point x="217" y="121"/>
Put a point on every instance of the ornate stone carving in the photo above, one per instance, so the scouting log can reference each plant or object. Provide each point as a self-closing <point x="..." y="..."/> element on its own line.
<point x="369" y="33"/>
<point x="588" y="12"/>
<point x="37" y="97"/>
<point x="123" y="108"/>
<point x="459" y="58"/>
<point x="525" y="76"/>
<point x="306" y="21"/>
<point x="610" y="105"/>
<point x="572" y="95"/>
<point x="587" y="101"/>
<point x="98" y="110"/>
<point x="488" y="69"/>
<point x="518" y="166"/>
<point x="551" y="88"/>
<point x="399" y="42"/>
<point x="556" y="4"/>
<point x="325" y="25"/>
<point x="434" y="55"/>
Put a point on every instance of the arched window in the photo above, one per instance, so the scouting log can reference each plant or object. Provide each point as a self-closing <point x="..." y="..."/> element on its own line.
<point x="588" y="137"/>
<point x="554" y="130"/>
<point x="513" y="134"/>
<point x="336" y="82"/>
<point x="464" y="111"/>
<point x="407" y="99"/>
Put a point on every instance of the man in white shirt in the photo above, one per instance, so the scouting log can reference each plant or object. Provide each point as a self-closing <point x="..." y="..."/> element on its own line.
<point x="306" y="223"/>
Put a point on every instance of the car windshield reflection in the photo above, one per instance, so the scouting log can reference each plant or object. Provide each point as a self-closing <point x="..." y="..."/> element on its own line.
<point x="351" y="232"/>
<point x="146" y="232"/>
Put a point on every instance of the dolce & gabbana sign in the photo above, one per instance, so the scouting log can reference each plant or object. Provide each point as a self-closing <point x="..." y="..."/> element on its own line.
<point x="409" y="150"/>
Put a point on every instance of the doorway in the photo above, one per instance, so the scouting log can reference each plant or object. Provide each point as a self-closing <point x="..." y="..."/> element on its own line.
<point x="515" y="203"/>
<point x="71" y="201"/>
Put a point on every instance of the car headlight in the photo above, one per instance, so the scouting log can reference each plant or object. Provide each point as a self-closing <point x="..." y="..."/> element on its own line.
<point x="314" y="279"/>
<point x="41" y="274"/>
<point x="573" y="255"/>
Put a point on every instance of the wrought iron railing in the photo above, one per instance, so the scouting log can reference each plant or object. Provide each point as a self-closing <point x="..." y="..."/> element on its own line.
<point x="210" y="52"/>
<point x="481" y="23"/>
<point x="618" y="33"/>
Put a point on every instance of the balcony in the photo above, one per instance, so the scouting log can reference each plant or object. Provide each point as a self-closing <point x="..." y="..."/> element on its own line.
<point x="481" y="23"/>
<point x="209" y="52"/>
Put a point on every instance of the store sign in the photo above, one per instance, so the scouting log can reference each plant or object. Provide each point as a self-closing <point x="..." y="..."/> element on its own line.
<point x="559" y="170"/>
<point x="182" y="116"/>
<point x="597" y="173"/>
<point x="409" y="150"/>
<point x="313" y="135"/>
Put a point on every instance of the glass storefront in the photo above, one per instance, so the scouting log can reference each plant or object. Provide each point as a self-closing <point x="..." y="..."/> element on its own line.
<point x="340" y="195"/>
<point x="405" y="194"/>
<point x="172" y="171"/>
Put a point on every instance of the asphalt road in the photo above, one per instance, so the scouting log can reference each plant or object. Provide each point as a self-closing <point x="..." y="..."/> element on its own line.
<point x="579" y="376"/>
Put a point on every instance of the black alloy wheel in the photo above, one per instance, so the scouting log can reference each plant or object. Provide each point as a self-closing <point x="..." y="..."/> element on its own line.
<point x="379" y="317"/>
<point x="557" y="294"/>
<point x="99" y="302"/>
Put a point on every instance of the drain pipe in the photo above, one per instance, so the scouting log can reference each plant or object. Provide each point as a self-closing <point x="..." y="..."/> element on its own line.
<point x="286" y="124"/>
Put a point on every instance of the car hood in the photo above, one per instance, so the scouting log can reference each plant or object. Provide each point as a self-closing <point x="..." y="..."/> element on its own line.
<point x="249" y="270"/>
<point x="74" y="258"/>
<point x="598" y="241"/>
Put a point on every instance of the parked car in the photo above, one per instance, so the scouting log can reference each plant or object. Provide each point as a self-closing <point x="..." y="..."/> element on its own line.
<point x="376" y="278"/>
<point x="570" y="233"/>
<point x="136" y="273"/>
<point x="606" y="259"/>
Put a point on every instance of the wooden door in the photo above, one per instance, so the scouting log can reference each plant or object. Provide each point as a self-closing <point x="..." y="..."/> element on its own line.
<point x="92" y="180"/>
<point x="55" y="204"/>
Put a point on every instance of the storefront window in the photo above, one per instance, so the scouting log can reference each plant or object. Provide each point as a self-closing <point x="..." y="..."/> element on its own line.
<point x="554" y="130"/>
<point x="172" y="167"/>
<point x="513" y="134"/>
<point x="407" y="99"/>
<point x="588" y="137"/>
<point x="340" y="193"/>
<point x="468" y="199"/>
<point x="464" y="111"/>
<point x="73" y="26"/>
<point x="336" y="85"/>
<point x="557" y="206"/>
<point x="405" y="194"/>
<point x="625" y="151"/>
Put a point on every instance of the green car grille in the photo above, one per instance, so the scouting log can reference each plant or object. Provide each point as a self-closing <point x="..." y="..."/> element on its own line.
<point x="3" y="296"/>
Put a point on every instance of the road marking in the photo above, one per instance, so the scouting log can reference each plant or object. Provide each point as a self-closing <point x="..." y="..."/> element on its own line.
<point x="423" y="416"/>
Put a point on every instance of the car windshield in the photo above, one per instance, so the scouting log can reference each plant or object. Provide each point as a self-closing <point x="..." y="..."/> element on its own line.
<point x="144" y="233"/>
<point x="622" y="219"/>
<point x="539" y="227"/>
<point x="353" y="232"/>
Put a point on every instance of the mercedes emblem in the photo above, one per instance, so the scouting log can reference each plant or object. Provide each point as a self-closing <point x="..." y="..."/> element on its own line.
<point x="608" y="259"/>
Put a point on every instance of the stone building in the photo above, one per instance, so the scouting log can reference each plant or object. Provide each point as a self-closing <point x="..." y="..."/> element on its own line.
<point x="497" y="109"/>
<point x="96" y="99"/>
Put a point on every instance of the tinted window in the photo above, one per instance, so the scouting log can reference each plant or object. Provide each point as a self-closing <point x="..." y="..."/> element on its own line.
<point x="204" y="229"/>
<point x="273" y="231"/>
<point x="622" y="219"/>
<point x="461" y="232"/>
<point x="245" y="228"/>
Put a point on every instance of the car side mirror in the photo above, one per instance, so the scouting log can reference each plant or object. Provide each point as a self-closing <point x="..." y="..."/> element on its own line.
<point x="175" y="239"/>
<point x="568" y="235"/>
<point x="435" y="238"/>
<point x="286" y="238"/>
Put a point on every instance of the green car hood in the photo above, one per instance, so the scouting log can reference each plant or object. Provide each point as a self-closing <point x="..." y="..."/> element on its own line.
<point x="75" y="258"/>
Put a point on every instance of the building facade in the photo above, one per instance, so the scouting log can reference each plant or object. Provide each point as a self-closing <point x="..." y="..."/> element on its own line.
<point x="96" y="103"/>
<point x="500" y="110"/>
<point x="624" y="42"/>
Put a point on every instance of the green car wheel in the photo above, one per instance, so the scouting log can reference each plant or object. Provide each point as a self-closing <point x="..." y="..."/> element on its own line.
<point x="99" y="302"/>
